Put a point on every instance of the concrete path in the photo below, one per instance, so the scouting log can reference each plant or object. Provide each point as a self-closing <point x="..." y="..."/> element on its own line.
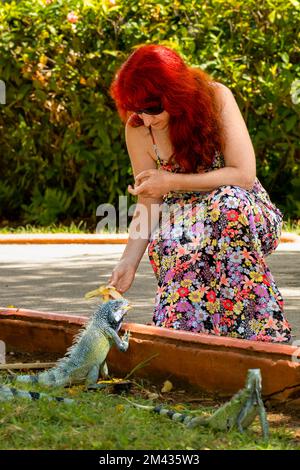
<point x="54" y="278"/>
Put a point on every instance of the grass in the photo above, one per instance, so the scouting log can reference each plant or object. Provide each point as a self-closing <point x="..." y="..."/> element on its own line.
<point x="79" y="228"/>
<point x="99" y="421"/>
<point x="292" y="226"/>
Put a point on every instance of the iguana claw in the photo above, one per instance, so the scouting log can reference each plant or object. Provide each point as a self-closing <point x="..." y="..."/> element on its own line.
<point x="126" y="336"/>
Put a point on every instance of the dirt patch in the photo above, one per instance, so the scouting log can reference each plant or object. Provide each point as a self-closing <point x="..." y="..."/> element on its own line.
<point x="24" y="357"/>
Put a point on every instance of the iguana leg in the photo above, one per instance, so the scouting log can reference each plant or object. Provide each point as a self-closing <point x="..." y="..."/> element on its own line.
<point x="92" y="376"/>
<point x="122" y="344"/>
<point x="245" y="412"/>
<point x="263" y="418"/>
<point x="104" y="370"/>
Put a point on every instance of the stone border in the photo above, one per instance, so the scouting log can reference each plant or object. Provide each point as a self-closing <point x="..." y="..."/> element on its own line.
<point x="208" y="363"/>
<point x="63" y="238"/>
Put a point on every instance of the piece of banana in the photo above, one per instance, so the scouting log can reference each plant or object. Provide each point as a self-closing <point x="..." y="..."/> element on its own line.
<point x="106" y="292"/>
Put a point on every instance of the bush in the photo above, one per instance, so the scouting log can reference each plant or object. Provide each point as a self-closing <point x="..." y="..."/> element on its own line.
<point x="62" y="143"/>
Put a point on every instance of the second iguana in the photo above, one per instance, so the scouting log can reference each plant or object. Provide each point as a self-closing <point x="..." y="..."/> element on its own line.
<point x="238" y="413"/>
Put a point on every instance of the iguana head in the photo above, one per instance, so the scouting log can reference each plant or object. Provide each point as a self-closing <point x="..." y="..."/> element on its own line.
<point x="253" y="380"/>
<point x="113" y="312"/>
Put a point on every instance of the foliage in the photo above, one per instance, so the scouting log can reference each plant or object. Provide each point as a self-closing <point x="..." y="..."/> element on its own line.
<point x="62" y="143"/>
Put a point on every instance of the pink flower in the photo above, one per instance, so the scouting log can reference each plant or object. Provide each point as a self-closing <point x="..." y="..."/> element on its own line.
<point x="72" y="17"/>
<point x="183" y="306"/>
<point x="190" y="275"/>
<point x="169" y="275"/>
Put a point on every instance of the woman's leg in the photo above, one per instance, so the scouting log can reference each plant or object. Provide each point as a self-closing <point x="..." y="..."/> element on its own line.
<point x="213" y="278"/>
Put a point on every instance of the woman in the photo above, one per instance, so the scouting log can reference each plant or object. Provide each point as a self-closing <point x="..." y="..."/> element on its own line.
<point x="190" y="149"/>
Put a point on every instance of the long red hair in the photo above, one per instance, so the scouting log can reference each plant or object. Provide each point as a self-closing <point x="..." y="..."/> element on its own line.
<point x="154" y="75"/>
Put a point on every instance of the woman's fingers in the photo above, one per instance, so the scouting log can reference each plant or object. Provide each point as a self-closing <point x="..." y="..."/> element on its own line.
<point x="137" y="190"/>
<point x="143" y="175"/>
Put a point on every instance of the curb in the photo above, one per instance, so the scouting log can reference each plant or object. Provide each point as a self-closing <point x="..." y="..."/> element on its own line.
<point x="204" y="362"/>
<point x="66" y="238"/>
<point x="62" y="238"/>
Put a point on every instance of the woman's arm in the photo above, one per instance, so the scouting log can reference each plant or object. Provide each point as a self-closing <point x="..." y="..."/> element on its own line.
<point x="239" y="156"/>
<point x="146" y="214"/>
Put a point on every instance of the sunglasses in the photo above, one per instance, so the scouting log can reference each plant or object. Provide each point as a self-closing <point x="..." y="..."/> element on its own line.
<point x="152" y="111"/>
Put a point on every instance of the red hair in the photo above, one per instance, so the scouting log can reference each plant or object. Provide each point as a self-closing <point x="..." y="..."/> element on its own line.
<point x="156" y="75"/>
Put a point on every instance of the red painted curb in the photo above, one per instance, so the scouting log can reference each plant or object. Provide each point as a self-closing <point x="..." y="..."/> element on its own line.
<point x="62" y="238"/>
<point x="205" y="362"/>
<point x="66" y="238"/>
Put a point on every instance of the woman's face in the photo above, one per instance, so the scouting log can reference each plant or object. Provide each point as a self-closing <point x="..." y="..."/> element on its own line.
<point x="157" y="121"/>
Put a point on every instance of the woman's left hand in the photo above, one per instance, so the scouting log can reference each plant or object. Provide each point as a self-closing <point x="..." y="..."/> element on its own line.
<point x="151" y="183"/>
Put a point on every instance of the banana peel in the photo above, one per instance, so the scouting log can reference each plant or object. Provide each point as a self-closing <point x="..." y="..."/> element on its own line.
<point x="106" y="292"/>
<point x="114" y="385"/>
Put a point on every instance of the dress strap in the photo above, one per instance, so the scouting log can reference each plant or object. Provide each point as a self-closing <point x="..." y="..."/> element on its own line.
<point x="155" y="147"/>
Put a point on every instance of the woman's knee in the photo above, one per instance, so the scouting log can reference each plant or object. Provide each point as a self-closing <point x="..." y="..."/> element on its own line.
<point x="231" y="197"/>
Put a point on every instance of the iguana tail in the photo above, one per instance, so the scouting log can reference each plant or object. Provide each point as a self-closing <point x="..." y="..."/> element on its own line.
<point x="174" y="415"/>
<point x="9" y="393"/>
<point x="53" y="377"/>
<point x="26" y="379"/>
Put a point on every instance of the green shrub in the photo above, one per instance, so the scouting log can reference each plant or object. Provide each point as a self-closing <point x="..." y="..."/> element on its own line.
<point x="62" y="143"/>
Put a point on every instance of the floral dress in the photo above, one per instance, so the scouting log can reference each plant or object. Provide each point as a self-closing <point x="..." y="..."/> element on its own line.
<point x="208" y="255"/>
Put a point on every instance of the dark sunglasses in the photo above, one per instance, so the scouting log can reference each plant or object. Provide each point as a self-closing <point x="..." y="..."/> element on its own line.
<point x="152" y="111"/>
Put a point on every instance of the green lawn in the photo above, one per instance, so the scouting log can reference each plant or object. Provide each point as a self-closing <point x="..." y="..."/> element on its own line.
<point x="102" y="421"/>
<point x="292" y="226"/>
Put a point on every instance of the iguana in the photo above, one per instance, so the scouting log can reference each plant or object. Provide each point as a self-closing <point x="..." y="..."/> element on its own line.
<point x="9" y="393"/>
<point x="87" y="356"/>
<point x="238" y="413"/>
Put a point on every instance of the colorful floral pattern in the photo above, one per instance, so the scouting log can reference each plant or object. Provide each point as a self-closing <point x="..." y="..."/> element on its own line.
<point x="208" y="255"/>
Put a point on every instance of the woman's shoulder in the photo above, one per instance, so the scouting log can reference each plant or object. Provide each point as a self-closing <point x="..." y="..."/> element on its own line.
<point x="222" y="94"/>
<point x="135" y="132"/>
<point x="222" y="91"/>
<point x="138" y="138"/>
<point x="219" y="86"/>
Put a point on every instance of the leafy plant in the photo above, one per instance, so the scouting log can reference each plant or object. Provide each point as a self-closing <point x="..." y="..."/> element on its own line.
<point x="46" y="208"/>
<point x="59" y="128"/>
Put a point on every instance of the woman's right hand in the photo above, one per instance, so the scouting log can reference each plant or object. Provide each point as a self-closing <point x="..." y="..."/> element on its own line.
<point x="122" y="276"/>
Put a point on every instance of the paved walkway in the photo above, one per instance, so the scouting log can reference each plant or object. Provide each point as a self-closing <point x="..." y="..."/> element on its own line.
<point x="54" y="278"/>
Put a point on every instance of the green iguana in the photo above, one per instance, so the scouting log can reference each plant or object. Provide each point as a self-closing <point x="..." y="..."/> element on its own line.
<point x="238" y="413"/>
<point x="87" y="356"/>
<point x="9" y="393"/>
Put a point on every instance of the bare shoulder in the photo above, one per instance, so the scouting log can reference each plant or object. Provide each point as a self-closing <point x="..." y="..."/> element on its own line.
<point x="223" y="94"/>
<point x="139" y="148"/>
<point x="135" y="133"/>
<point x="238" y="149"/>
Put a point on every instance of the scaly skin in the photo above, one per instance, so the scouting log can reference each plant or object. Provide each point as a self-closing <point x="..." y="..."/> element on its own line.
<point x="10" y="393"/>
<point x="238" y="413"/>
<point x="86" y="358"/>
